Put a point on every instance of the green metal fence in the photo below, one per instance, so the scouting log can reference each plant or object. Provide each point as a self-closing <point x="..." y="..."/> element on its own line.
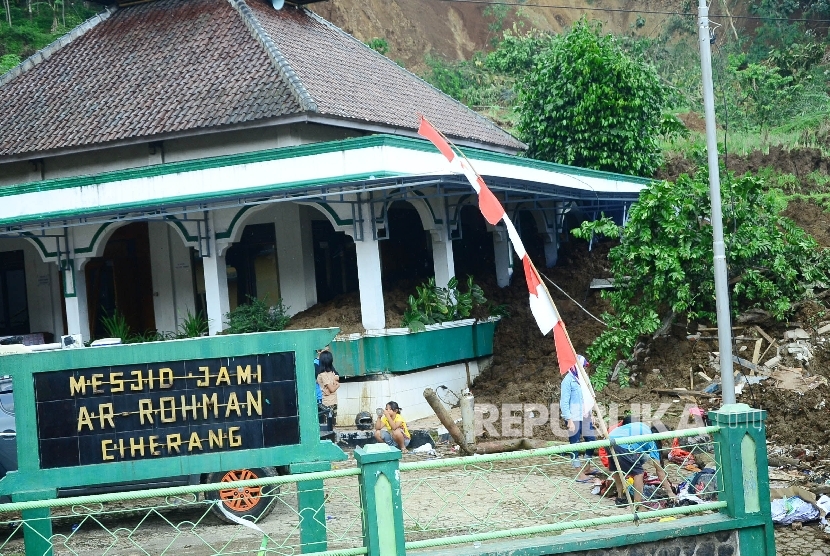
<point x="478" y="498"/>
<point x="383" y="507"/>
<point x="179" y="520"/>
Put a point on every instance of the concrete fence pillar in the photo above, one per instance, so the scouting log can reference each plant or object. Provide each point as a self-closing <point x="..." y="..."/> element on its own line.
<point x="741" y="453"/>
<point x="311" y="507"/>
<point x="380" y="497"/>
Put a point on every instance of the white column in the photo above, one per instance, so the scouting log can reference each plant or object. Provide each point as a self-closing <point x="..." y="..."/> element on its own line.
<point x="216" y="283"/>
<point x="369" y="276"/>
<point x="295" y="257"/>
<point x="164" y="297"/>
<point x="77" y="310"/>
<point x="172" y="277"/>
<point x="442" y="258"/>
<point x="551" y="249"/>
<point x="504" y="258"/>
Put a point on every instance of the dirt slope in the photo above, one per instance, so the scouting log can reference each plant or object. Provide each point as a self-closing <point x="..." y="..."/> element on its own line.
<point x="454" y="30"/>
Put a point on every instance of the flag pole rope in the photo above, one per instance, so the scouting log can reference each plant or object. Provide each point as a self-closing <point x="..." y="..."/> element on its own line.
<point x="583" y="377"/>
<point x="586" y="311"/>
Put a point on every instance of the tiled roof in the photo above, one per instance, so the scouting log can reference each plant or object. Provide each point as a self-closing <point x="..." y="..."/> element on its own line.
<point x="373" y="88"/>
<point x="179" y="66"/>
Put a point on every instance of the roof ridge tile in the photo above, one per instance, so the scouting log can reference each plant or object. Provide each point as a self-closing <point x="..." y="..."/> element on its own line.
<point x="285" y="70"/>
<point x="47" y="51"/>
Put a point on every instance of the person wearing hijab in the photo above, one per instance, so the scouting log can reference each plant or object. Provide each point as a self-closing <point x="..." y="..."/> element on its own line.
<point x="578" y="417"/>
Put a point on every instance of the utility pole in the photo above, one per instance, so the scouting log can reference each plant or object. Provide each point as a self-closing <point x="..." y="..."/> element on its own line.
<point x="727" y="376"/>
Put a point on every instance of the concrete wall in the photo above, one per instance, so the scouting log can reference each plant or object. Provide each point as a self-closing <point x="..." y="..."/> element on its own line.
<point x="368" y="393"/>
<point x="42" y="288"/>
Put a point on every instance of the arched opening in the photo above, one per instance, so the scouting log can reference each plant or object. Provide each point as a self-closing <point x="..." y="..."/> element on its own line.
<point x="473" y="253"/>
<point x="14" y="305"/>
<point x="121" y="280"/>
<point x="407" y="254"/>
<point x="252" y="266"/>
<point x="531" y="238"/>
<point x="335" y="261"/>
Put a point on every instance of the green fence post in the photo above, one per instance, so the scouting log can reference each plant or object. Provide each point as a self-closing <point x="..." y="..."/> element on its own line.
<point x="741" y="451"/>
<point x="380" y="497"/>
<point x="311" y="507"/>
<point x="37" y="525"/>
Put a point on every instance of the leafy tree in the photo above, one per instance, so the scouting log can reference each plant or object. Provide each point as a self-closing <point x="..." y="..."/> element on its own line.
<point x="664" y="263"/>
<point x="587" y="103"/>
<point x="516" y="54"/>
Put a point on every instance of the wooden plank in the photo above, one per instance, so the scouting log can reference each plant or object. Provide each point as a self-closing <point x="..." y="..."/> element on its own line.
<point x="764" y="334"/>
<point x="744" y="363"/>
<point x="757" y="354"/>
<point x="602" y="284"/>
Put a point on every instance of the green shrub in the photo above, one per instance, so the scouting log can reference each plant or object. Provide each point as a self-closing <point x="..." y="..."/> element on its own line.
<point x="193" y="326"/>
<point x="432" y="304"/>
<point x="257" y="316"/>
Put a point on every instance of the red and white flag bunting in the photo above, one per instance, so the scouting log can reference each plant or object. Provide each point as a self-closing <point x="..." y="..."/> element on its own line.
<point x="541" y="304"/>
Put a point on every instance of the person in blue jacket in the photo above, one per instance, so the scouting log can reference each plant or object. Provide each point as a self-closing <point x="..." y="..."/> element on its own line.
<point x="571" y="407"/>
<point x="632" y="455"/>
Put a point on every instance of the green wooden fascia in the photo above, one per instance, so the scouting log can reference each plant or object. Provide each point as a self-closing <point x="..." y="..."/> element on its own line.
<point x="30" y="477"/>
<point x="380" y="140"/>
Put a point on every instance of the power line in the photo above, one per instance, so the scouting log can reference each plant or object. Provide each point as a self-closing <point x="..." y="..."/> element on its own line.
<point x="622" y="10"/>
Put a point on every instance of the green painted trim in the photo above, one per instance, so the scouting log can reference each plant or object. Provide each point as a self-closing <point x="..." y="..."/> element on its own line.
<point x="180" y="225"/>
<point x="414" y="350"/>
<point x="380" y="140"/>
<point x="603" y="539"/>
<point x="194" y="199"/>
<point x="22" y="368"/>
<point x="39" y="244"/>
<point x="91" y="246"/>
<point x="340" y="222"/>
<point x="229" y="232"/>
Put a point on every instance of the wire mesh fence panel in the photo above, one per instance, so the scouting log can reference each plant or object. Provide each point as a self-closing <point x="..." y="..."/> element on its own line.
<point x="190" y="524"/>
<point x="475" y="498"/>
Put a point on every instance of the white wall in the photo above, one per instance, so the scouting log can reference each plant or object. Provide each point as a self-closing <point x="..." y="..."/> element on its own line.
<point x="173" y="294"/>
<point x="94" y="161"/>
<point x="42" y="288"/>
<point x="368" y="393"/>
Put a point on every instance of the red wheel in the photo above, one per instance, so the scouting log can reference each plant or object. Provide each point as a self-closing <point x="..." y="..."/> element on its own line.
<point x="251" y="503"/>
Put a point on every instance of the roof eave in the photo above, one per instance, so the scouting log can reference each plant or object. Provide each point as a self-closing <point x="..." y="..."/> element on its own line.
<point x="409" y="132"/>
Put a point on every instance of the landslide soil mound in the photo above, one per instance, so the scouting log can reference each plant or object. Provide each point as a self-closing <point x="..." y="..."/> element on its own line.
<point x="525" y="369"/>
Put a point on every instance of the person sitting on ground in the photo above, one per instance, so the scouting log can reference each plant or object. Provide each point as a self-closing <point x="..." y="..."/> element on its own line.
<point x="328" y="380"/>
<point x="391" y="428"/>
<point x="578" y="417"/>
<point x="631" y="458"/>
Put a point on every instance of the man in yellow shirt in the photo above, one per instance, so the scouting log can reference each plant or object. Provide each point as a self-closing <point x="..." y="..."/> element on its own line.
<point x="391" y="428"/>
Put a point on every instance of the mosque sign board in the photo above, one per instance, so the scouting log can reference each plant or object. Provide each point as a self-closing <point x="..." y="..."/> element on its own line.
<point x="162" y="409"/>
<point x="166" y="409"/>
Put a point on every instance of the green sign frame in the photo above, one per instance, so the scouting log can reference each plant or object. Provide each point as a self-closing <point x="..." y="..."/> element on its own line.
<point x="31" y="478"/>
